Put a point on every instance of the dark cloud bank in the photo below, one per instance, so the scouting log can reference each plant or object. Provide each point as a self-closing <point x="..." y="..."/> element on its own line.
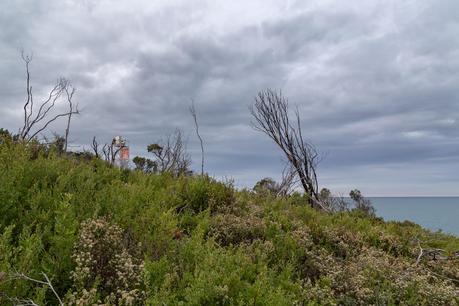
<point x="377" y="82"/>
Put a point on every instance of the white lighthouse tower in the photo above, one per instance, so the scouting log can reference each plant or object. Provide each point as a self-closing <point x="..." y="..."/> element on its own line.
<point x="123" y="152"/>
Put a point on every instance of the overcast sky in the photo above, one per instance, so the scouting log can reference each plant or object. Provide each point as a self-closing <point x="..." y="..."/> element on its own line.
<point x="376" y="82"/>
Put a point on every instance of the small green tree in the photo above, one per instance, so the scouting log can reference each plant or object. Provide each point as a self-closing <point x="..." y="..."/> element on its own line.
<point x="361" y="203"/>
<point x="5" y="136"/>
<point x="145" y="165"/>
<point x="266" y="185"/>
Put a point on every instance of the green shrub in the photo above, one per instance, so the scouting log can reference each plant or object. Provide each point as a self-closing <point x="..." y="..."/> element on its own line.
<point x="195" y="241"/>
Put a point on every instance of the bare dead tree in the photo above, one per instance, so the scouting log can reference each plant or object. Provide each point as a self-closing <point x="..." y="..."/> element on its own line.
<point x="105" y="152"/>
<point x="113" y="151"/>
<point x="194" y="115"/>
<point x="110" y="152"/>
<point x="37" y="120"/>
<point x="72" y="109"/>
<point x="95" y="147"/>
<point x="171" y="155"/>
<point x="271" y="116"/>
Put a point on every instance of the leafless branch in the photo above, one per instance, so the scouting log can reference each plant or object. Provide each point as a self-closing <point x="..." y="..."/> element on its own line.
<point x="193" y="114"/>
<point x="46" y="283"/>
<point x="19" y="301"/>
<point x="95" y="147"/>
<point x="433" y="254"/>
<point x="73" y="109"/>
<point x="109" y="151"/>
<point x="288" y="181"/>
<point x="40" y="119"/>
<point x="114" y="151"/>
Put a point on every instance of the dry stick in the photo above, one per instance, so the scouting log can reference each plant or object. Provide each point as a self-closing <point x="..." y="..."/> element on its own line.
<point x="287" y="180"/>
<point x="438" y="254"/>
<point x="19" y="302"/>
<point x="67" y="130"/>
<point x="421" y="253"/>
<point x="443" y="276"/>
<point x="95" y="147"/>
<point x="52" y="288"/>
<point x="46" y="125"/>
<point x="193" y="113"/>
<point x="27" y="59"/>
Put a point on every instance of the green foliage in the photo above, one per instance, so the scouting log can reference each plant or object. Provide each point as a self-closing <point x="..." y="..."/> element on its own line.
<point x="362" y="204"/>
<point x="154" y="147"/>
<point x="145" y="164"/>
<point x="266" y="185"/>
<point x="106" y="235"/>
<point x="5" y="136"/>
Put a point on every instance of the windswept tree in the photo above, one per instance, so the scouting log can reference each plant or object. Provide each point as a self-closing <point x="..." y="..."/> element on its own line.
<point x="271" y="116"/>
<point x="37" y="117"/>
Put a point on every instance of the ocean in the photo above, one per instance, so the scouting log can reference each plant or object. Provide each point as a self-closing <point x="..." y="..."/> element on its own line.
<point x="434" y="213"/>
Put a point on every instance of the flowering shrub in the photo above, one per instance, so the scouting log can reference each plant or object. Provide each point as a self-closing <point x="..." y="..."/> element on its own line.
<point x="231" y="229"/>
<point x="105" y="269"/>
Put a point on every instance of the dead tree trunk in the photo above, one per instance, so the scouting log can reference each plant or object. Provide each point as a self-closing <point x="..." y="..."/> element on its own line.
<point x="69" y="94"/>
<point x="193" y="113"/>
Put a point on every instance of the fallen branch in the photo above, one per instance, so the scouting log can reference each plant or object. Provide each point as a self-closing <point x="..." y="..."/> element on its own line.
<point x="18" y="301"/>
<point x="46" y="283"/>
<point x="444" y="277"/>
<point x="434" y="254"/>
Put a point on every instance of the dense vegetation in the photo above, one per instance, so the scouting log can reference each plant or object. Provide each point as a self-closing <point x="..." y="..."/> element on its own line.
<point x="104" y="235"/>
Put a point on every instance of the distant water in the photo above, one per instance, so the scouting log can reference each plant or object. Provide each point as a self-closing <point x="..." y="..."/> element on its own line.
<point x="435" y="213"/>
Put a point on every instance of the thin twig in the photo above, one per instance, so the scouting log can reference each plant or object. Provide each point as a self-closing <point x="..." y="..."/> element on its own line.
<point x="193" y="113"/>
<point x="47" y="283"/>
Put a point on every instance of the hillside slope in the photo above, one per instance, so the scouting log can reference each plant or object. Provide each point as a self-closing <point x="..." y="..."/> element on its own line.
<point x="108" y="236"/>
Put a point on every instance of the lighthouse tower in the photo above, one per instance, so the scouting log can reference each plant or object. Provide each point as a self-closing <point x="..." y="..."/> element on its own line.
<point x="123" y="156"/>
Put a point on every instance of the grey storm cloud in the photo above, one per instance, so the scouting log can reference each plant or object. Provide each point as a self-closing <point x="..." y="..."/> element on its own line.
<point x="376" y="82"/>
